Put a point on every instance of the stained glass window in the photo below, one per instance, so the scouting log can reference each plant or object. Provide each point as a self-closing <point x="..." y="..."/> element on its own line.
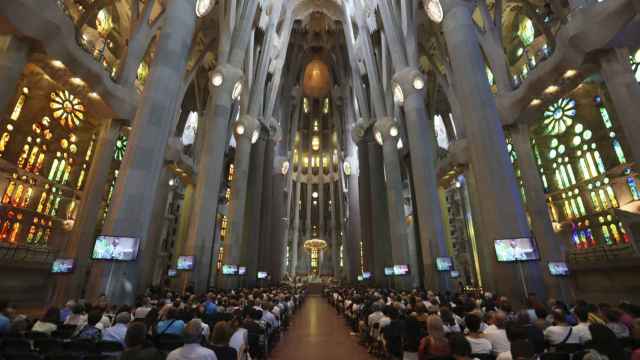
<point x="635" y="64"/>
<point x="526" y="31"/>
<point x="633" y="188"/>
<point x="559" y="116"/>
<point x="441" y="132"/>
<point x="617" y="147"/>
<point x="121" y="147"/>
<point x="190" y="129"/>
<point x="67" y="109"/>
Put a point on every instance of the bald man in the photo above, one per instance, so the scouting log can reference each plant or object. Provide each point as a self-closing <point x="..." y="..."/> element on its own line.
<point x="192" y="350"/>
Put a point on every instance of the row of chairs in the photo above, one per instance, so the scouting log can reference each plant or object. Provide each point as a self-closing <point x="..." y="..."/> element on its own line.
<point x="43" y="347"/>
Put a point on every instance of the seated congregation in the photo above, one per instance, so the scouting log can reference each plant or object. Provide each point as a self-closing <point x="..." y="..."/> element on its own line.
<point x="422" y="325"/>
<point x="221" y="325"/>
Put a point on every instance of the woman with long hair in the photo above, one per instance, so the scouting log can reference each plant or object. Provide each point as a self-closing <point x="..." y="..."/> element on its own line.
<point x="436" y="343"/>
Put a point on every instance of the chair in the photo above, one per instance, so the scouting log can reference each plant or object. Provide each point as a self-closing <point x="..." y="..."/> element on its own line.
<point x="483" y="356"/>
<point x="82" y="347"/>
<point x="34" y="335"/>
<point x="569" y="348"/>
<point x="109" y="347"/>
<point x="16" y="345"/>
<point x="168" y="342"/>
<point x="48" y="345"/>
<point x="64" y="356"/>
<point x="22" y="356"/>
<point x="555" y="356"/>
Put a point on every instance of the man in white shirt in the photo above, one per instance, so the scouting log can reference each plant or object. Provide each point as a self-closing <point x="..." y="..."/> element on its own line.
<point x="496" y="333"/>
<point x="192" y="350"/>
<point x="560" y="332"/>
<point x="118" y="331"/>
<point x="582" y="329"/>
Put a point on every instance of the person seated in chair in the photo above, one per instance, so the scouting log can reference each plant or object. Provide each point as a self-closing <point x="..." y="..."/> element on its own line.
<point x="90" y="331"/>
<point x="118" y="331"/>
<point x="135" y="341"/>
<point x="192" y="350"/>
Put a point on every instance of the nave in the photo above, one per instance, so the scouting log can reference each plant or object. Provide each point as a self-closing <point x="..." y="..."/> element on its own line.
<point x="319" y="333"/>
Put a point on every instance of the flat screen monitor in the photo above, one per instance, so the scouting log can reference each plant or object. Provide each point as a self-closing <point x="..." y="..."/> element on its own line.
<point x="366" y="275"/>
<point x="63" y="266"/>
<point x="185" y="263"/>
<point x="262" y="274"/>
<point x="229" y="270"/>
<point x="400" y="270"/>
<point x="509" y="250"/>
<point x="119" y="248"/>
<point x="242" y="270"/>
<point x="388" y="271"/>
<point x="172" y="273"/>
<point x="455" y="274"/>
<point x="444" y="263"/>
<point x="558" y="268"/>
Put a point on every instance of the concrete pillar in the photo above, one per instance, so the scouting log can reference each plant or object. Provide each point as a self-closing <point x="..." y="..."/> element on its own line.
<point x="182" y="246"/>
<point x="80" y="241"/>
<point x="293" y="256"/>
<point x="422" y="146"/>
<point x="233" y="247"/>
<point x="278" y="201"/>
<point x="380" y="214"/>
<point x="354" y="235"/>
<point x="625" y="95"/>
<point x="333" y="229"/>
<point x="210" y="166"/>
<point x="252" y="229"/>
<point x="384" y="129"/>
<point x="14" y="54"/>
<point x="494" y="178"/>
<point x="365" y="206"/>
<point x="549" y="243"/>
<point x="266" y="243"/>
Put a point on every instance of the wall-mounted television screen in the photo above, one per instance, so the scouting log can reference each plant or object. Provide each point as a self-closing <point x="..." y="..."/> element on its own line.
<point x="388" y="271"/>
<point x="366" y="275"/>
<point x="558" y="268"/>
<point x="242" y="270"/>
<point x="509" y="250"/>
<point x="229" y="270"/>
<point x="63" y="266"/>
<point x="172" y="273"/>
<point x="399" y="270"/>
<point x="444" y="263"/>
<point x="455" y="274"/>
<point x="262" y="274"/>
<point x="118" y="248"/>
<point x="185" y="263"/>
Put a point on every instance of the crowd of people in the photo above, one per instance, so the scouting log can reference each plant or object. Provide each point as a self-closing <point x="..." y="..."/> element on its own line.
<point x="224" y="325"/>
<point x="425" y="325"/>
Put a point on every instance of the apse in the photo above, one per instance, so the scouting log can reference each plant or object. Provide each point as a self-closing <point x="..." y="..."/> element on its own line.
<point x="317" y="81"/>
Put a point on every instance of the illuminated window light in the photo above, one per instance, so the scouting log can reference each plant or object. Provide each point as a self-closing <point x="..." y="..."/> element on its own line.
<point x="94" y="95"/>
<point x="551" y="89"/>
<point x="536" y="102"/>
<point x="77" y="81"/>
<point x="57" y="63"/>
<point x="570" y="73"/>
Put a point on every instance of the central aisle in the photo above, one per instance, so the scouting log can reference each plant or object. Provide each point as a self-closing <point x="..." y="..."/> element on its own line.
<point x="319" y="333"/>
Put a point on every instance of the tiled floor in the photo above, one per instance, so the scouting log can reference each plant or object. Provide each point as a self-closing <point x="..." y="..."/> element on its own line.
<point x="317" y="332"/>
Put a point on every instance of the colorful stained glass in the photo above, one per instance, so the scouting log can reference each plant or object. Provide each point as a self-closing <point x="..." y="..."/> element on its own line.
<point x="612" y="196"/>
<point x="526" y="31"/>
<point x="559" y="116"/>
<point x="67" y="109"/>
<point x="635" y="64"/>
<point x="606" y="119"/>
<point x="617" y="147"/>
<point x="121" y="147"/>
<point x="633" y="188"/>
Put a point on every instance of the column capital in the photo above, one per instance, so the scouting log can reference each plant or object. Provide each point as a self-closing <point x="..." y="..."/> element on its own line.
<point x="411" y="81"/>
<point x="247" y="126"/>
<point x="227" y="76"/>
<point x="386" y="129"/>
<point x="359" y="130"/>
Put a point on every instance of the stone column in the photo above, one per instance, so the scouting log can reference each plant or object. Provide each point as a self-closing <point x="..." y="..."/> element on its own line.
<point x="233" y="247"/>
<point x="333" y="228"/>
<point x="422" y="146"/>
<point x="352" y="238"/>
<point x="380" y="214"/>
<point x="266" y="243"/>
<point x="131" y="207"/>
<point x="293" y="255"/>
<point x="252" y="229"/>
<point x="309" y="222"/>
<point x="14" y="55"/>
<point x="366" y="223"/>
<point x="625" y="95"/>
<point x="210" y="166"/>
<point x="387" y="130"/>
<point x="550" y="245"/>
<point x="277" y="255"/>
<point x="501" y="205"/>
<point x="80" y="241"/>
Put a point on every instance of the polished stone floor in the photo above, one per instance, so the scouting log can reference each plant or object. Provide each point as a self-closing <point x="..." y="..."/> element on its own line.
<point x="318" y="333"/>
